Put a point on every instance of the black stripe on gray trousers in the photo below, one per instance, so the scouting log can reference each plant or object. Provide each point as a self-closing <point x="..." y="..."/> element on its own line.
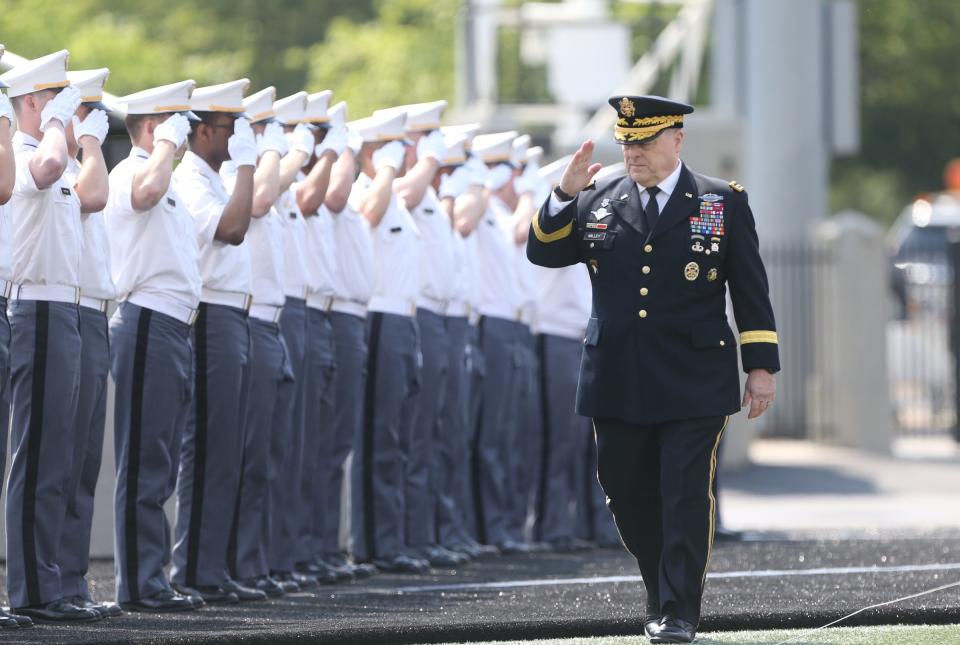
<point x="369" y="425"/>
<point x="545" y="437"/>
<point x="200" y="449"/>
<point x="133" y="451"/>
<point x="475" y="461"/>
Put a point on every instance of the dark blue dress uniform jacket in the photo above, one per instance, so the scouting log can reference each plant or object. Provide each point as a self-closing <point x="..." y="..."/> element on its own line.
<point x="658" y="346"/>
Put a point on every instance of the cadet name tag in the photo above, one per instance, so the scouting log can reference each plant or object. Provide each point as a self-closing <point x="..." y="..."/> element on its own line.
<point x="595" y="236"/>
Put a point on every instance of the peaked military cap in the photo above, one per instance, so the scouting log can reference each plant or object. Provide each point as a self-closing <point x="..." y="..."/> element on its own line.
<point x="644" y="118"/>
<point x="90" y="82"/>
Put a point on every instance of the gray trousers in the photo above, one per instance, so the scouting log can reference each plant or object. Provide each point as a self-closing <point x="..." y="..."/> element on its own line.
<point x="379" y="465"/>
<point x="524" y="449"/>
<point x="493" y="486"/>
<point x="287" y="445"/>
<point x="350" y="346"/>
<point x="4" y="385"/>
<point x="317" y="436"/>
<point x="212" y="446"/>
<point x="270" y="369"/>
<point x="152" y="365"/>
<point x="562" y="435"/>
<point x="45" y="378"/>
<point x="476" y="374"/>
<point x="449" y="477"/>
<point x="88" y="449"/>
<point x="421" y="450"/>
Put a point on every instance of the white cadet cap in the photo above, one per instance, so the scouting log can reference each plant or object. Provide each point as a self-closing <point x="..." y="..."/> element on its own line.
<point x="520" y="146"/>
<point x="45" y="73"/>
<point x="289" y="110"/>
<point x="225" y="97"/>
<point x="611" y="171"/>
<point x="259" y="106"/>
<point x="534" y="155"/>
<point x="421" y="117"/>
<point x="315" y="113"/>
<point x="381" y="127"/>
<point x="553" y="171"/>
<point x="470" y="130"/>
<point x="2" y="49"/>
<point x="456" y="152"/>
<point x="338" y="115"/>
<point x="164" y="99"/>
<point x="495" y="148"/>
<point x="90" y="82"/>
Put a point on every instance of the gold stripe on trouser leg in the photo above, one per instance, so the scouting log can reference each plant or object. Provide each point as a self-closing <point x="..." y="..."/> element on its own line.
<point x="713" y="501"/>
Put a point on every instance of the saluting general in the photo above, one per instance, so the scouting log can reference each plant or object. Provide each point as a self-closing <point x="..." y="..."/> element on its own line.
<point x="658" y="375"/>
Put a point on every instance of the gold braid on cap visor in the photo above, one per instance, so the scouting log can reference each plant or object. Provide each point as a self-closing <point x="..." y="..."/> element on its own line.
<point x="643" y="128"/>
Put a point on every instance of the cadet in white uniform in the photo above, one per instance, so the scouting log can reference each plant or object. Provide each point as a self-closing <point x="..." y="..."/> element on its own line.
<point x="45" y="330"/>
<point x="154" y="259"/>
<point x="320" y="367"/>
<point x="8" y="174"/>
<point x="96" y="291"/>
<point x="212" y="444"/>
<point x="436" y="290"/>
<point x="352" y="287"/>
<point x="269" y="368"/>
<point x="394" y="357"/>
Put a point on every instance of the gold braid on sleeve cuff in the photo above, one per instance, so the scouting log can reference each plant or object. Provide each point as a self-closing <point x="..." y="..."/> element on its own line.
<point x="556" y="236"/>
<point x="748" y="337"/>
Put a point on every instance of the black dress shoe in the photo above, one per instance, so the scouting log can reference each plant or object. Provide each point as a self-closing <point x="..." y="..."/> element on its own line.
<point x="267" y="585"/>
<point x="244" y="593"/>
<point x="674" y="630"/>
<point x="210" y="594"/>
<point x="319" y="570"/>
<point x="21" y="621"/>
<point x="364" y="570"/>
<point x="435" y="556"/>
<point x="105" y="609"/>
<point x="401" y="564"/>
<point x="7" y="621"/>
<point x="286" y="581"/>
<point x="339" y="564"/>
<point x="161" y="602"/>
<point x="56" y="612"/>
<point x="651" y="625"/>
<point x="512" y="547"/>
<point x="305" y="580"/>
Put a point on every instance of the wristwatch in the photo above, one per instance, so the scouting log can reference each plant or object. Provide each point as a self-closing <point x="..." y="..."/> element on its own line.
<point x="562" y="196"/>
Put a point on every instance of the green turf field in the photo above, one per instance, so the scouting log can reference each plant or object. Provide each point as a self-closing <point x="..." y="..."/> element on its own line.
<point x="886" y="635"/>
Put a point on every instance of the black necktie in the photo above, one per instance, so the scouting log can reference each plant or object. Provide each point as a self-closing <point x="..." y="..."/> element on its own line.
<point x="652" y="210"/>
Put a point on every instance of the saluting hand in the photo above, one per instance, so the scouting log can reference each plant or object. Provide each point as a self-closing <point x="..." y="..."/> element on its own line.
<point x="580" y="171"/>
<point x="759" y="392"/>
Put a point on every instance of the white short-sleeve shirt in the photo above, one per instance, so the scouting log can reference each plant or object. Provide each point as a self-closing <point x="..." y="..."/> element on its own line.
<point x="296" y="269"/>
<point x="396" y="252"/>
<point x="564" y="299"/>
<point x="354" y="255"/>
<point x="6" y="243"/>
<point x="437" y="267"/>
<point x="499" y="286"/>
<point x="152" y="252"/>
<point x="95" y="278"/>
<point x="47" y="233"/>
<point x="321" y="253"/>
<point x="223" y="267"/>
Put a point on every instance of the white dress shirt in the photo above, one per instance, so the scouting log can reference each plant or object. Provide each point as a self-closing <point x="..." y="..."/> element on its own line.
<point x="437" y="268"/>
<point x="396" y="252"/>
<point x="296" y="269"/>
<point x="47" y="234"/>
<point x="154" y="256"/>
<point x="223" y="267"/>
<point x="353" y="281"/>
<point x="564" y="299"/>
<point x="499" y="285"/>
<point x="6" y="244"/>
<point x="95" y="279"/>
<point x="464" y="284"/>
<point x="321" y="256"/>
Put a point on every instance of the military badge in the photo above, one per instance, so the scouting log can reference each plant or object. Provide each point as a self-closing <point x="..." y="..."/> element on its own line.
<point x="594" y="267"/>
<point x="600" y="213"/>
<point x="627" y="108"/>
<point x="597" y="225"/>
<point x="692" y="271"/>
<point x="712" y="275"/>
<point x="715" y="244"/>
<point x="697" y="243"/>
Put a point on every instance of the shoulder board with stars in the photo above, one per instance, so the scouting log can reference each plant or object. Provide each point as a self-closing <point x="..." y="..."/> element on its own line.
<point x="737" y="187"/>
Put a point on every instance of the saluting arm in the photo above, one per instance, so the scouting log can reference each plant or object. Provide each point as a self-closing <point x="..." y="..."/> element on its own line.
<point x="8" y="166"/>
<point x="341" y="182"/>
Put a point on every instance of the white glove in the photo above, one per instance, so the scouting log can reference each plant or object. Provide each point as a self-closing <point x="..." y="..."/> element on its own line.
<point x="6" y="108"/>
<point x="272" y="139"/>
<point x="301" y="140"/>
<point x="62" y="107"/>
<point x="498" y="177"/>
<point x="477" y="171"/>
<point x="336" y="140"/>
<point x="354" y="141"/>
<point x="391" y="155"/>
<point x="432" y="146"/>
<point x="174" y="129"/>
<point x="528" y="181"/>
<point x="456" y="183"/>
<point x="242" y="145"/>
<point x="95" y="125"/>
